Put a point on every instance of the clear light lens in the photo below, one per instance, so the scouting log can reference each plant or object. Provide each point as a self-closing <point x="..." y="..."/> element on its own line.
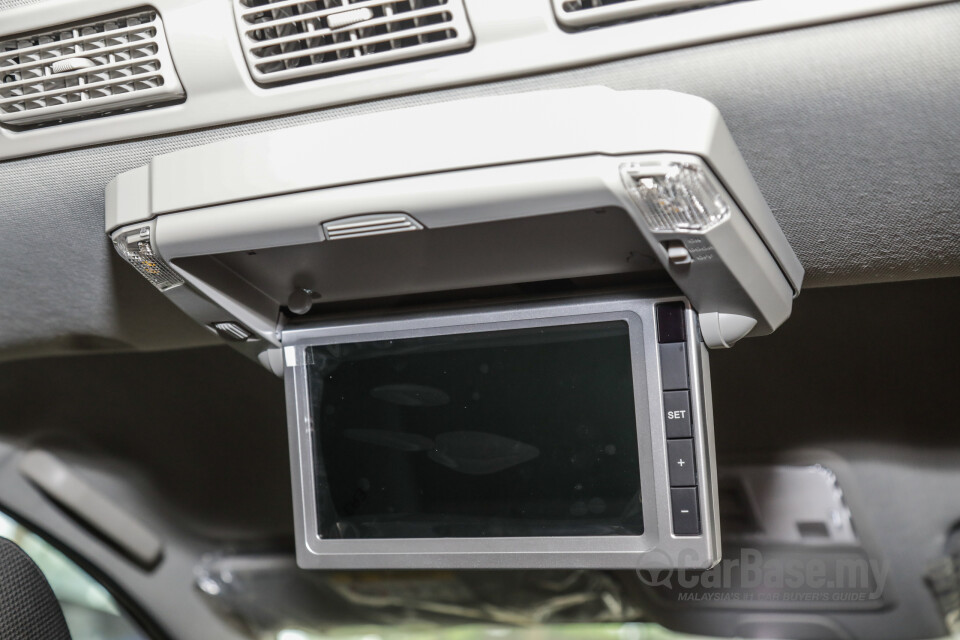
<point x="676" y="196"/>
<point x="135" y="247"/>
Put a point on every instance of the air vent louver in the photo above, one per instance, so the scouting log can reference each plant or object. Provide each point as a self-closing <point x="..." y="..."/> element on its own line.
<point x="97" y="67"/>
<point x="290" y="39"/>
<point x="369" y="225"/>
<point x="585" y="13"/>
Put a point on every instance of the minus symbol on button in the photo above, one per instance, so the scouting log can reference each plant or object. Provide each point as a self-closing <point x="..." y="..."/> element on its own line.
<point x="684" y="511"/>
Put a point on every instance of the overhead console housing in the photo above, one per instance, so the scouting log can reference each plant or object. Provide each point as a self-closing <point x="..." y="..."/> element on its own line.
<point x="425" y="279"/>
<point x="493" y="191"/>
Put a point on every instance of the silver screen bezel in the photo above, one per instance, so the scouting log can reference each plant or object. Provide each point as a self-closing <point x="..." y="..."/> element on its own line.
<point x="656" y="548"/>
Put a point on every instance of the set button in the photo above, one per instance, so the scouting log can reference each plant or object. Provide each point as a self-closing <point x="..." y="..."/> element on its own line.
<point x="676" y="412"/>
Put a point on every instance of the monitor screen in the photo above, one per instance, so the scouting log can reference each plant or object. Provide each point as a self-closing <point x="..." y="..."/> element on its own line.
<point x="520" y="432"/>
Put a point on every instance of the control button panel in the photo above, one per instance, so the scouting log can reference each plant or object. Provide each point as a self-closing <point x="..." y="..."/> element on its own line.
<point x="677" y="418"/>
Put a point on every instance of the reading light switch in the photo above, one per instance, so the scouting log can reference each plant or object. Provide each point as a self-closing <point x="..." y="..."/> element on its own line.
<point x="677" y="253"/>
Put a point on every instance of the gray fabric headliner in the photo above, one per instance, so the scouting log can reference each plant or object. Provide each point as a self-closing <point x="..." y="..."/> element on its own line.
<point x="851" y="130"/>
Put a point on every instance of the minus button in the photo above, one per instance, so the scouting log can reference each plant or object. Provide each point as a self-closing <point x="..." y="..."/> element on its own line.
<point x="686" y="514"/>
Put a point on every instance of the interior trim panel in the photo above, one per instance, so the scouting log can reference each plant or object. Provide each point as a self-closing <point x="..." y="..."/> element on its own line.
<point x="511" y="37"/>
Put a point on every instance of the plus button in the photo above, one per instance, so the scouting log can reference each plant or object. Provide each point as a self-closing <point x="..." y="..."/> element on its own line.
<point x="682" y="461"/>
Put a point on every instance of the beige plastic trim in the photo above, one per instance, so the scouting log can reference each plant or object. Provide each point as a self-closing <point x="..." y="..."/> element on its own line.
<point x="273" y="190"/>
<point x="512" y="37"/>
<point x="587" y="16"/>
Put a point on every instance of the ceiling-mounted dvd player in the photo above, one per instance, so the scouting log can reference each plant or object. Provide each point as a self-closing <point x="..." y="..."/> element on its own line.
<point x="492" y="316"/>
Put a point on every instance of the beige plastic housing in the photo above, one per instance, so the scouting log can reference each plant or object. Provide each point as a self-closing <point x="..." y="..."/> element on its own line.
<point x="518" y="196"/>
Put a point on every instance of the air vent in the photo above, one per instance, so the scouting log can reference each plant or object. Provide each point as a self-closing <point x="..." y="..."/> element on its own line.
<point x="369" y="225"/>
<point x="585" y="13"/>
<point x="288" y="39"/>
<point x="98" y="67"/>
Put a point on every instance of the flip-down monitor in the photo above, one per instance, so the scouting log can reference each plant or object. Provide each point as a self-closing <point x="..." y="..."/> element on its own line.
<point x="564" y="433"/>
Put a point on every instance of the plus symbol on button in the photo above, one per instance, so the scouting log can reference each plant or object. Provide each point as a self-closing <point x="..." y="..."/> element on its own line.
<point x="681" y="462"/>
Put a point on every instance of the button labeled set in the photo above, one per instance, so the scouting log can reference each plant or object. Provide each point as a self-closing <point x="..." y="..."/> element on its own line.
<point x="671" y="338"/>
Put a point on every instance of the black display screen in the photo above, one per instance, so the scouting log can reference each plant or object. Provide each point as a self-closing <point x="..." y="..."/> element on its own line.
<point x="526" y="432"/>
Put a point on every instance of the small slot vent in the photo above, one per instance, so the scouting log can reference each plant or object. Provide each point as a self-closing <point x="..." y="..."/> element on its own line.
<point x="585" y="13"/>
<point x="287" y="40"/>
<point x="94" y="68"/>
<point x="369" y="225"/>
